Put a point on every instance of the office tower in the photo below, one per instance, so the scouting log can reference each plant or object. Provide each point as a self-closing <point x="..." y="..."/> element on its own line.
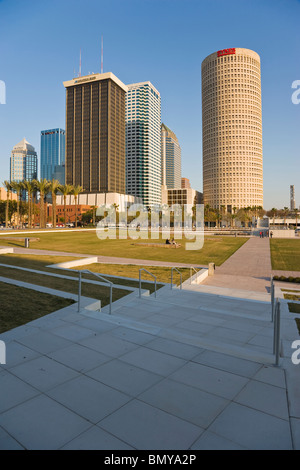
<point x="232" y="129"/>
<point x="181" y="196"/>
<point x="23" y="162"/>
<point x="53" y="154"/>
<point x="170" y="159"/>
<point x="185" y="183"/>
<point x="292" y="198"/>
<point x="143" y="142"/>
<point x="95" y="133"/>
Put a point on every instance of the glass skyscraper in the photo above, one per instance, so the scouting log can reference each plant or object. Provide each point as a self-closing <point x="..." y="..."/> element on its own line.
<point x="143" y="143"/>
<point x="53" y="154"/>
<point x="171" y="158"/>
<point x="23" y="162"/>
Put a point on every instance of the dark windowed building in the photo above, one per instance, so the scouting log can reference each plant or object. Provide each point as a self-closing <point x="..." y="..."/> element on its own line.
<point x="95" y="133"/>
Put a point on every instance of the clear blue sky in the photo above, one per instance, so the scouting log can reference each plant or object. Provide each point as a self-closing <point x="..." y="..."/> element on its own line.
<point x="163" y="41"/>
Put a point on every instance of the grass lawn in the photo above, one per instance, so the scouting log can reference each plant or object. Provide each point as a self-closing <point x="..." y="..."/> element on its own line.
<point x="40" y="263"/>
<point x="292" y="297"/>
<point x="285" y="254"/>
<point x="162" y="274"/>
<point x="20" y="305"/>
<point x="214" y="250"/>
<point x="88" y="290"/>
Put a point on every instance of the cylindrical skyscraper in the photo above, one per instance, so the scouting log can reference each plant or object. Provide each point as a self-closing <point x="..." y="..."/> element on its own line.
<point x="232" y="129"/>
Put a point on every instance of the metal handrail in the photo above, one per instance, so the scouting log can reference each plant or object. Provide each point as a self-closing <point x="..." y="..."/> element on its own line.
<point x="86" y="271"/>
<point x="272" y="299"/>
<point x="192" y="267"/>
<point x="175" y="269"/>
<point x="140" y="281"/>
<point x="276" y="337"/>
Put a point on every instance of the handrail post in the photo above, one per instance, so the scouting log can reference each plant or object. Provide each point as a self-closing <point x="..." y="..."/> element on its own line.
<point x="277" y="338"/>
<point x="110" y="299"/>
<point x="79" y="290"/>
<point x="140" y="284"/>
<point x="86" y="271"/>
<point x="272" y="299"/>
<point x="275" y="328"/>
<point x="172" y="277"/>
<point x="140" y="281"/>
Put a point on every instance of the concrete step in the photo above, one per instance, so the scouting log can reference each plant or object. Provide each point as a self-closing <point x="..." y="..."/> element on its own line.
<point x="189" y="331"/>
<point x="243" y="308"/>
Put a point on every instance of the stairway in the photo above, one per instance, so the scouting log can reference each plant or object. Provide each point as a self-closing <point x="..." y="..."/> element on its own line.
<point x="232" y="326"/>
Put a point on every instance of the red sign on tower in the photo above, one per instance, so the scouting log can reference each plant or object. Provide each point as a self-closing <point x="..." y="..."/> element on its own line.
<point x="226" y="52"/>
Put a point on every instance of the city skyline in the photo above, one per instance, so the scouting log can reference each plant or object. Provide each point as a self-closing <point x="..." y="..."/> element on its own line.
<point x="175" y="70"/>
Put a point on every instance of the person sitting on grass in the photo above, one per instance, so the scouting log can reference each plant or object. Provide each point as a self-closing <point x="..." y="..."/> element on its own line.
<point x="174" y="243"/>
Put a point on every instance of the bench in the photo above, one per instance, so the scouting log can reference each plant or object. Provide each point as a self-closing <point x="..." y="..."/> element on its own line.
<point x="158" y="245"/>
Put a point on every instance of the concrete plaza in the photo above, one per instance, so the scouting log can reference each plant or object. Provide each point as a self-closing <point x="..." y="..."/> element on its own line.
<point x="191" y="368"/>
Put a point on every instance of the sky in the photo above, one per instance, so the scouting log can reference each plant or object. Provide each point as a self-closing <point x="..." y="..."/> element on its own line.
<point x="161" y="41"/>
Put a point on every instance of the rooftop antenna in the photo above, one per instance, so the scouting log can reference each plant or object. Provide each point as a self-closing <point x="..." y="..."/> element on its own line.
<point x="80" y="64"/>
<point x="101" y="54"/>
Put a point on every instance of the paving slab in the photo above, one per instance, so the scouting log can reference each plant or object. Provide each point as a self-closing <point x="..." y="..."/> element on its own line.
<point x="146" y="427"/>
<point x="252" y="429"/>
<point x="88" y="398"/>
<point x="197" y="407"/>
<point x="42" y="424"/>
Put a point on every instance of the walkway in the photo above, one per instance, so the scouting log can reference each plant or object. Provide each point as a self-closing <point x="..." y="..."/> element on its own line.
<point x="249" y="268"/>
<point x="102" y="259"/>
<point x="182" y="371"/>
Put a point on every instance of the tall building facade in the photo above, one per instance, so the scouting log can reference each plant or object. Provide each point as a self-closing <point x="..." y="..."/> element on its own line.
<point x="185" y="183"/>
<point x="53" y="143"/>
<point x="170" y="159"/>
<point x="232" y="129"/>
<point x="23" y="162"/>
<point x="292" y="198"/>
<point x="95" y="133"/>
<point x="143" y="143"/>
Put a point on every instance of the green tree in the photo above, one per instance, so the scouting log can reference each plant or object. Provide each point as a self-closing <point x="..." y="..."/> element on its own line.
<point x="65" y="190"/>
<point x="8" y="187"/>
<point x="18" y="187"/>
<point x="54" y="187"/>
<point x="43" y="188"/>
<point x="285" y="213"/>
<point x="30" y="187"/>
<point x="76" y="190"/>
<point x="295" y="212"/>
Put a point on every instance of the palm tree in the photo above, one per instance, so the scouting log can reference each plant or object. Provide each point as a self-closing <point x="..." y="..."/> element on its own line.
<point x="76" y="190"/>
<point x="222" y="207"/>
<point x="65" y="190"/>
<point x="296" y="216"/>
<point x="30" y="187"/>
<point x="8" y="187"/>
<point x="18" y="186"/>
<point x="274" y="212"/>
<point x="43" y="188"/>
<point x="54" y="187"/>
<point x="285" y="213"/>
<point x="207" y="214"/>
